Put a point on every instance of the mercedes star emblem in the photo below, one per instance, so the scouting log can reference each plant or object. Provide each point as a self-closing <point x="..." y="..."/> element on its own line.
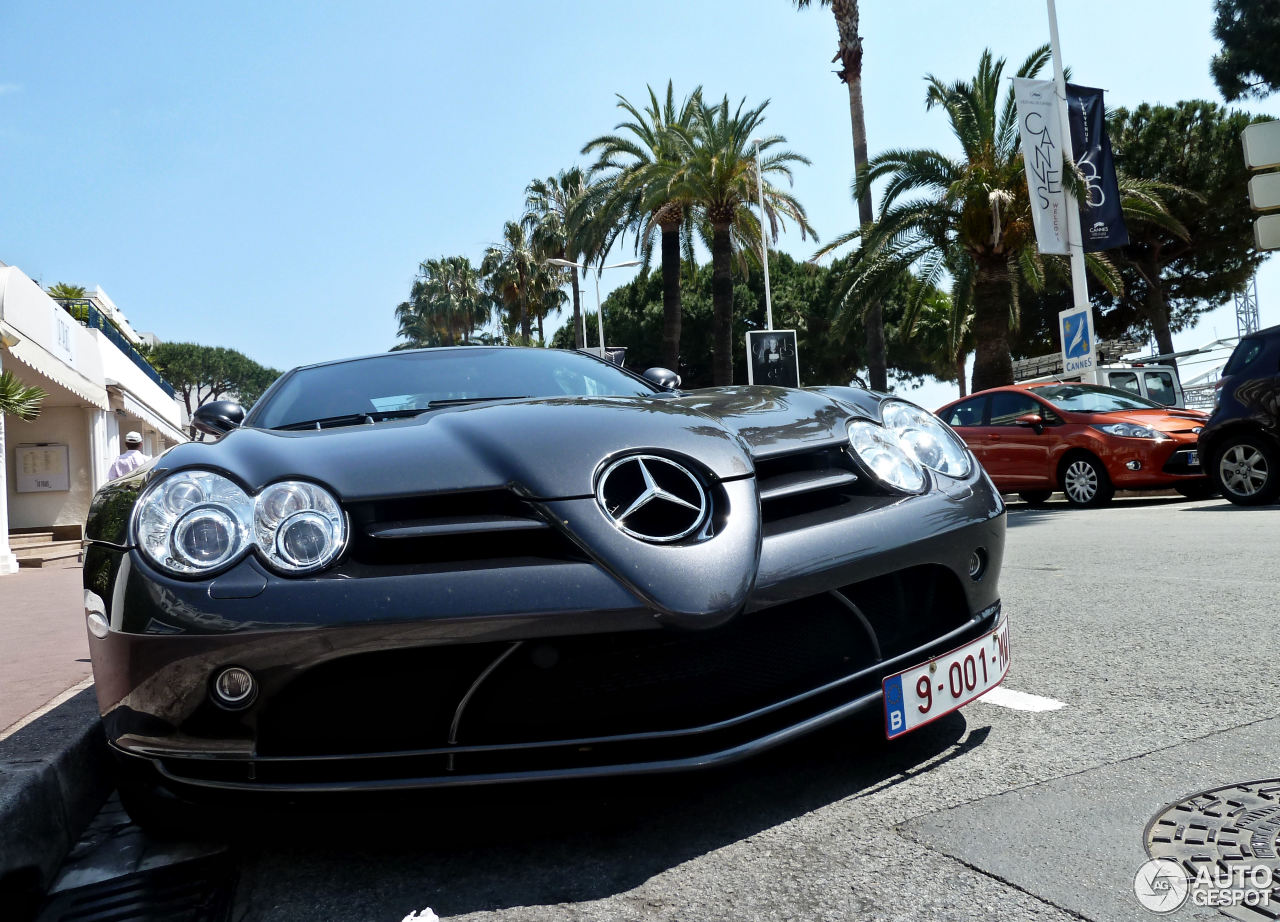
<point x="652" y="498"/>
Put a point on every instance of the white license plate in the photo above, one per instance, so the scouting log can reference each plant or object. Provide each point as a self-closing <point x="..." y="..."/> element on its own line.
<point x="916" y="696"/>
<point x="1193" y="459"/>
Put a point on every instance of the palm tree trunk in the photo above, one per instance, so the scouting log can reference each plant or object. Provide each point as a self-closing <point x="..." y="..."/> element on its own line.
<point x="672" y="310"/>
<point x="721" y="305"/>
<point x="577" y="314"/>
<point x="850" y="57"/>
<point x="992" y="365"/>
<point x="960" y="374"/>
<point x="525" y="331"/>
<point x="542" y="339"/>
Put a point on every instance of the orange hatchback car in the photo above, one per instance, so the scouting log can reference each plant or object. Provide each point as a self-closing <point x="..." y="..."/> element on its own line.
<point x="1083" y="439"/>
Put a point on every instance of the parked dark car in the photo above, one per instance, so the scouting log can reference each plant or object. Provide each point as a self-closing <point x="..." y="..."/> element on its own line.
<point x="1083" y="439"/>
<point x="1241" y="442"/>
<point x="473" y="565"/>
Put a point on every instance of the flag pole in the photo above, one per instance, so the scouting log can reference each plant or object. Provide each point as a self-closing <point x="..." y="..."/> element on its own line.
<point x="1075" y="239"/>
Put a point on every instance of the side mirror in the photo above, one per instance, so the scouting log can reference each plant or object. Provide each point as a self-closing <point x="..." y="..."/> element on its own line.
<point x="218" y="417"/>
<point x="665" y="378"/>
<point x="1033" y="420"/>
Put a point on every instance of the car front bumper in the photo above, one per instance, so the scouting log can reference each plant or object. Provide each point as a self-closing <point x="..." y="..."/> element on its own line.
<point x="537" y="671"/>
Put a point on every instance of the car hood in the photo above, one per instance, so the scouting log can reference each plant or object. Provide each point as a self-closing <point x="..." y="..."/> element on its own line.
<point x="548" y="448"/>
<point x="1161" y="420"/>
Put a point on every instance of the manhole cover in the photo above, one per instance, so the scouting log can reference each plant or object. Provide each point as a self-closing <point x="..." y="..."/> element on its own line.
<point x="1225" y="833"/>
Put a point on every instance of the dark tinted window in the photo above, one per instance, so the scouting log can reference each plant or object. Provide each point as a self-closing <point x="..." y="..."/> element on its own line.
<point x="414" y="380"/>
<point x="1006" y="407"/>
<point x="968" y="413"/>
<point x="1246" y="353"/>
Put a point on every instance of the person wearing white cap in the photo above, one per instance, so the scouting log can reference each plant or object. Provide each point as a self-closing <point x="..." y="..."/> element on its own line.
<point x="132" y="457"/>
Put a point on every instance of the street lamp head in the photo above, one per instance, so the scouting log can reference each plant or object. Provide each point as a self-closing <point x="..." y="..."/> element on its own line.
<point x="565" y="263"/>
<point x="631" y="262"/>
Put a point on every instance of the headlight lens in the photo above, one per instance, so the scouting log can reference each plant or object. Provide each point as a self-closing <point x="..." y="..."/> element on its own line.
<point x="193" y="522"/>
<point x="1131" y="431"/>
<point x="196" y="522"/>
<point x="298" y="526"/>
<point x="880" y="450"/>
<point x="925" y="437"/>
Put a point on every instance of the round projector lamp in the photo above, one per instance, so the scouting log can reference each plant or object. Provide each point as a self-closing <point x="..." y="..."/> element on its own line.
<point x="235" y="688"/>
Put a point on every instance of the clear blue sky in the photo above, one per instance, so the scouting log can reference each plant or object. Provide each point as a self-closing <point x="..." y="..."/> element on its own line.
<point x="268" y="175"/>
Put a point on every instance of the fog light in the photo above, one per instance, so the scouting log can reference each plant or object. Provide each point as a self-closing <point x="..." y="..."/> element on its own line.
<point x="234" y="688"/>
<point x="1133" y="465"/>
<point x="977" y="564"/>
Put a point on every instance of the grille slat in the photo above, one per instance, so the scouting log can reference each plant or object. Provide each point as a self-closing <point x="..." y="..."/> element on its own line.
<point x="453" y="525"/>
<point x="794" y="484"/>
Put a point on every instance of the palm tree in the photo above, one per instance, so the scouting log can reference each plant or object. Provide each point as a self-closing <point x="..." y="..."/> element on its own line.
<point x="849" y="54"/>
<point x="718" y="178"/>
<point x="970" y="217"/>
<point x="18" y="399"/>
<point x="510" y="269"/>
<point x="632" y="171"/>
<point x="445" y="302"/>
<point x="558" y="217"/>
<point x="64" y="291"/>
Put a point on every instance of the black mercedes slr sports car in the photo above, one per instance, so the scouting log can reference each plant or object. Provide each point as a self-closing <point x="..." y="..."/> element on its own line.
<point x="476" y="565"/>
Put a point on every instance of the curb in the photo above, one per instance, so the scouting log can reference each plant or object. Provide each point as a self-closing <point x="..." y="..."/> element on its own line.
<point x="54" y="776"/>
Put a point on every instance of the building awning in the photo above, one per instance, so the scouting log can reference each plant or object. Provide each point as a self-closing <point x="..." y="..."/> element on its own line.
<point x="35" y="357"/>
<point x="135" y="407"/>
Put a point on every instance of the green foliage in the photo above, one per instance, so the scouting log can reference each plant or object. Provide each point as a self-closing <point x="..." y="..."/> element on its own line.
<point x="802" y="295"/>
<point x="446" y="304"/>
<point x="64" y="291"/>
<point x="203" y="373"/>
<point x="18" y="399"/>
<point x="519" y="280"/>
<point x="1191" y="151"/>
<point x="1249" y="31"/>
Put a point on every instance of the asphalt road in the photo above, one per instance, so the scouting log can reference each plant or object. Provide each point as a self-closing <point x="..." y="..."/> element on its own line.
<point x="1152" y="621"/>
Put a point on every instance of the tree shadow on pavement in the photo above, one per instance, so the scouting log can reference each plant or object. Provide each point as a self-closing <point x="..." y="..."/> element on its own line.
<point x="490" y="848"/>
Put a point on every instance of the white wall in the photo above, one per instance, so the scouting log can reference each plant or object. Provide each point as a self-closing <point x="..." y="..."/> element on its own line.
<point x="66" y="425"/>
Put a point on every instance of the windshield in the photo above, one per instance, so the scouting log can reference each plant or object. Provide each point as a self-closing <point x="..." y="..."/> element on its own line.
<point x="408" y="383"/>
<point x="1093" y="398"/>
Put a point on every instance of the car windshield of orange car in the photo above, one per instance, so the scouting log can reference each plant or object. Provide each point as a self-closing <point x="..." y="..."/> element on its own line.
<point x="1093" y="398"/>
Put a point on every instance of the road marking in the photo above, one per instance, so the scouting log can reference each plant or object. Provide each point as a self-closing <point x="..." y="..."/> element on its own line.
<point x="41" y="711"/>
<point x="1020" y="701"/>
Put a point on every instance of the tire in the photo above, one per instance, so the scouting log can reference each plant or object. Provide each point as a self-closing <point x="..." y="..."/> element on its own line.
<point x="1197" y="489"/>
<point x="1247" y="470"/>
<point x="1035" y="497"/>
<point x="1085" y="482"/>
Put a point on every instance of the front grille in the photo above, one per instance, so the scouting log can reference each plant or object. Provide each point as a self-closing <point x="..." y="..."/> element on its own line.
<point x="454" y="528"/>
<point x="794" y="486"/>
<point x="600" y="687"/>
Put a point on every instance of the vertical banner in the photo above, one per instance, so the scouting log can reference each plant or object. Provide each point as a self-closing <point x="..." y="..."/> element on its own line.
<point x="1040" y="125"/>
<point x="772" y="358"/>
<point x="1101" y="220"/>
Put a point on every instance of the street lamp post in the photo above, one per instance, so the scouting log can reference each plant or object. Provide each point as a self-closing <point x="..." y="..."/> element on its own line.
<point x="599" y="304"/>
<point x="764" y="242"/>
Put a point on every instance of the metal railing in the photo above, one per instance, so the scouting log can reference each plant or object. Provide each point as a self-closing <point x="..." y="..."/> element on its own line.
<point x="87" y="313"/>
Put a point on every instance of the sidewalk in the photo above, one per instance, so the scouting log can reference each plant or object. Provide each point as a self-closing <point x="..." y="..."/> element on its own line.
<point x="46" y="652"/>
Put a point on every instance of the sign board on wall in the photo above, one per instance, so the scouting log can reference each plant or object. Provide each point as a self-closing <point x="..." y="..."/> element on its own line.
<point x="42" y="468"/>
<point x="772" y="358"/>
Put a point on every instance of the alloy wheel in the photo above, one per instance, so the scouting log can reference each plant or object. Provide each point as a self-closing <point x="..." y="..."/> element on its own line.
<point x="1080" y="482"/>
<point x="1243" y="469"/>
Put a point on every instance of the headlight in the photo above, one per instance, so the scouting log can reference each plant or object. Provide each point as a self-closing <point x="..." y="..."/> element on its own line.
<point x="193" y="522"/>
<point x="880" y="450"/>
<point x="197" y="522"/>
<point x="298" y="526"/>
<point x="925" y="437"/>
<point x="1131" y="431"/>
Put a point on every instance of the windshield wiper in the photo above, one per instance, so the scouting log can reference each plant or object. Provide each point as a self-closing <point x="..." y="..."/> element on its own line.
<point x="353" y="419"/>
<point x="459" y="401"/>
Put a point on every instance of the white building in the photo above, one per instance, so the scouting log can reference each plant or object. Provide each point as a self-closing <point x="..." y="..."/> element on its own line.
<point x="99" y="388"/>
